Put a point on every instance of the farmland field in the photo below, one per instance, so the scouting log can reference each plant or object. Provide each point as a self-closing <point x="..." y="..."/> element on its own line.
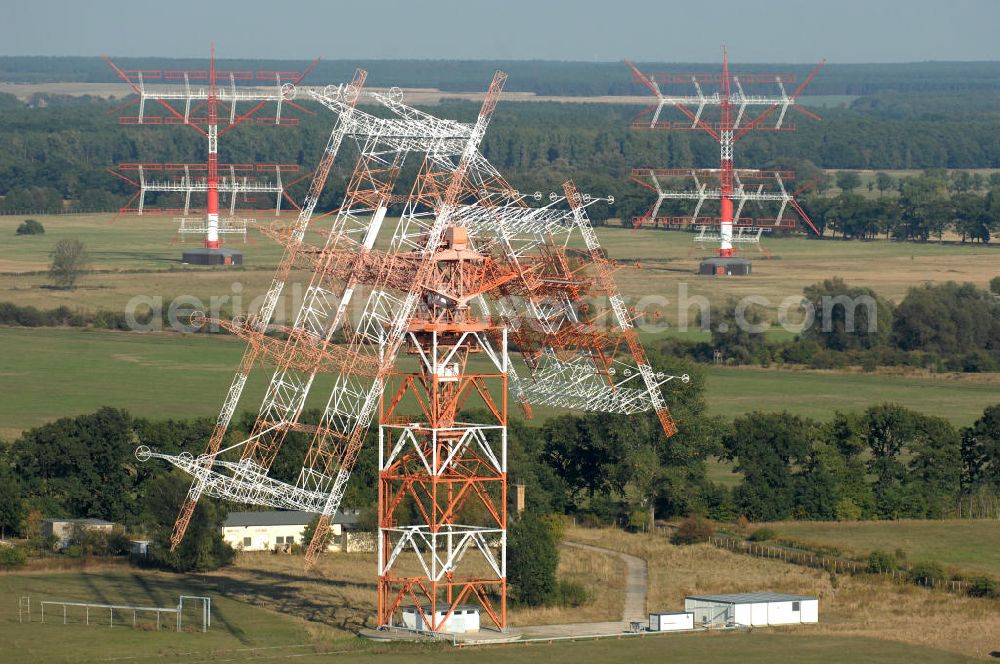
<point x="136" y="256"/>
<point x="50" y="373"/>
<point x="966" y="545"/>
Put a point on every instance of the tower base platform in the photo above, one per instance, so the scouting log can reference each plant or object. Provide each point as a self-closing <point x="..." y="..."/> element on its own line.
<point x="205" y="256"/>
<point x="725" y="267"/>
<point x="482" y="637"/>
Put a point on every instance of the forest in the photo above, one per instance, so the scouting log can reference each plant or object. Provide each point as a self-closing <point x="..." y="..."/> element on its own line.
<point x="541" y="144"/>
<point x="886" y="462"/>
<point x="538" y="76"/>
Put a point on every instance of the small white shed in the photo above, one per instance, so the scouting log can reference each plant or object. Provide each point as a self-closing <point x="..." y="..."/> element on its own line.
<point x="756" y="609"/>
<point x="671" y="622"/>
<point x="465" y="618"/>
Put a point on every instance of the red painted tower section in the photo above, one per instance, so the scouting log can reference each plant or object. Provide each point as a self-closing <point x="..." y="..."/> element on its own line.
<point x="212" y="205"/>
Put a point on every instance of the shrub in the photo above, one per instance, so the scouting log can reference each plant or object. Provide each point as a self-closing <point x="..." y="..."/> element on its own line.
<point x="827" y="359"/>
<point x="995" y="285"/>
<point x="984" y="586"/>
<point x="12" y="557"/>
<point x="927" y="574"/>
<point x="881" y="561"/>
<point x="30" y="227"/>
<point x="742" y="524"/>
<point x="693" y="530"/>
<point x="69" y="260"/>
<point x="848" y="510"/>
<point x="310" y="530"/>
<point x="532" y="557"/>
<point x="557" y="525"/>
<point x="762" y="535"/>
<point x="570" y="594"/>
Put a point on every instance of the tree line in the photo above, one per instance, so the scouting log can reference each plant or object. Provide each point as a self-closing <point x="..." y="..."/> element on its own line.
<point x="54" y="155"/>
<point x="538" y="76"/>
<point x="919" y="207"/>
<point x="886" y="462"/>
<point x="941" y="327"/>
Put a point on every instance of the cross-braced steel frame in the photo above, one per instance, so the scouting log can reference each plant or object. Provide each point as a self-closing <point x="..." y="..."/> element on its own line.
<point x="735" y="111"/>
<point x="541" y="279"/>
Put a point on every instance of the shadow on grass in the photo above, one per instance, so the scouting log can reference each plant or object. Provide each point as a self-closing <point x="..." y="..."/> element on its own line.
<point x="331" y="602"/>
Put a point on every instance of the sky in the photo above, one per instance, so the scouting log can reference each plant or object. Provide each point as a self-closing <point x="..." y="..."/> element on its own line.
<point x="841" y="31"/>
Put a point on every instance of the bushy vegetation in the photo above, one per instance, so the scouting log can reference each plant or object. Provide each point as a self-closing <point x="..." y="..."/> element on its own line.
<point x="69" y="260"/>
<point x="927" y="574"/>
<point x="762" y="535"/>
<point x="880" y="562"/>
<point x="532" y="557"/>
<point x="693" y="530"/>
<point x="942" y="327"/>
<point x="30" y="227"/>
<point x="310" y="531"/>
<point x="203" y="547"/>
<point x="12" y="557"/>
<point x="984" y="586"/>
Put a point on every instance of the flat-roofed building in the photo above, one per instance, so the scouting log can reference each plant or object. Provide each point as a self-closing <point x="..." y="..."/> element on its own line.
<point x="62" y="529"/>
<point x="266" y="531"/>
<point x="752" y="609"/>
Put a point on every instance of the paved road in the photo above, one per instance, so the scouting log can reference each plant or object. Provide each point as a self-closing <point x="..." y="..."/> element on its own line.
<point x="636" y="580"/>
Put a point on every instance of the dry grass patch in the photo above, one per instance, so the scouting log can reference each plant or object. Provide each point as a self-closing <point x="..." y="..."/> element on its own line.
<point x="340" y="591"/>
<point x="856" y="606"/>
<point x="603" y="575"/>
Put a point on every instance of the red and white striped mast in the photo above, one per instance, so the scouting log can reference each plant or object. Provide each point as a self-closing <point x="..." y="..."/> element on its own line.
<point x="212" y="132"/>
<point x="726" y="141"/>
<point x="733" y="122"/>
<point x="196" y="99"/>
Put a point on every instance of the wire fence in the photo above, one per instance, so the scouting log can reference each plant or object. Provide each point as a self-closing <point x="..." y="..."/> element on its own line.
<point x="112" y="615"/>
<point x="833" y="563"/>
<point x="52" y="212"/>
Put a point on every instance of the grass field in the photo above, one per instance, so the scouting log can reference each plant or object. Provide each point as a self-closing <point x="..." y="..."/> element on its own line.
<point x="50" y="373"/>
<point x="849" y="606"/>
<point x="965" y="545"/>
<point x="265" y="608"/>
<point x="667" y="260"/>
<point x="959" y="397"/>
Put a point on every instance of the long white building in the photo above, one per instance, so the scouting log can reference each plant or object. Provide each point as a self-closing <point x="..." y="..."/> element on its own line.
<point x="752" y="609"/>
<point x="266" y="531"/>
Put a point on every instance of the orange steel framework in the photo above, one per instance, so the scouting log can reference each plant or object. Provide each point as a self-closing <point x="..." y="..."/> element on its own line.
<point x="442" y="481"/>
<point x="733" y="100"/>
<point x="470" y="261"/>
<point x="208" y="101"/>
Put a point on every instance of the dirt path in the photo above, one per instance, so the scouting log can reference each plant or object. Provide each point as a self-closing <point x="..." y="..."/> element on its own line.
<point x="636" y="581"/>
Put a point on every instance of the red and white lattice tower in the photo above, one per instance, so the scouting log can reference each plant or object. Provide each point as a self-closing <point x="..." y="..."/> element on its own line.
<point x="469" y="263"/>
<point x="726" y="107"/>
<point x="209" y="101"/>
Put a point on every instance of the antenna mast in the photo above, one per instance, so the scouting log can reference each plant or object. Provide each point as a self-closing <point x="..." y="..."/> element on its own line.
<point x="737" y="112"/>
<point x="201" y="100"/>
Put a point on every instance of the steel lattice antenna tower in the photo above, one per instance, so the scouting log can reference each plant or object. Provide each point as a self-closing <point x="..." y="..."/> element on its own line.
<point x="470" y="262"/>
<point x="187" y="179"/>
<point x="727" y="94"/>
